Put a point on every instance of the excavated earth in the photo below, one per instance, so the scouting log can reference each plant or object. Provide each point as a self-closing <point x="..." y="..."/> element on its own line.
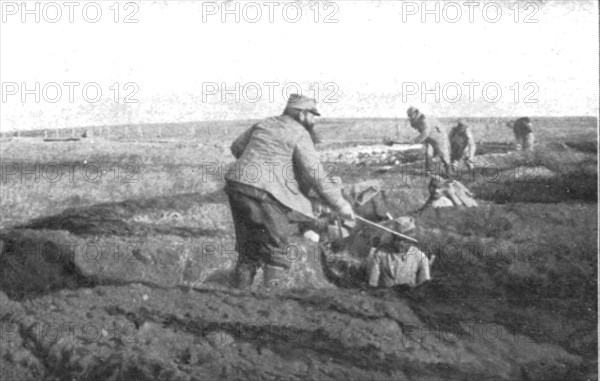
<point x="140" y="289"/>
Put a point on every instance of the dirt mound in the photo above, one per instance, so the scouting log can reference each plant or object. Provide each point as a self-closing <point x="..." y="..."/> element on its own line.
<point x="141" y="332"/>
<point x="186" y="215"/>
<point x="586" y="147"/>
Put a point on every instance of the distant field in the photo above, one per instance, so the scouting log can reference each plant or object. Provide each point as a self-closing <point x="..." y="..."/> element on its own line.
<point x="172" y="167"/>
<point x="485" y="129"/>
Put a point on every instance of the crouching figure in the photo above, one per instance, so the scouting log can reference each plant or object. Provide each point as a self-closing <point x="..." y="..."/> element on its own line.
<point x="444" y="192"/>
<point x="523" y="130"/>
<point x="462" y="145"/>
<point x="394" y="261"/>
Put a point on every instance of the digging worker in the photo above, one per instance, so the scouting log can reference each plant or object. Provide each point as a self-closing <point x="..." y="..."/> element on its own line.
<point x="433" y="135"/>
<point x="268" y="210"/>
<point x="462" y="144"/>
<point x="523" y="133"/>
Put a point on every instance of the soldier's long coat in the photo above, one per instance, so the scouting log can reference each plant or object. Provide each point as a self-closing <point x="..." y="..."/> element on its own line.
<point x="278" y="156"/>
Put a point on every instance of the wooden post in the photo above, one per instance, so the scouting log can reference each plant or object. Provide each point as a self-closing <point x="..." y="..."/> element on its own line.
<point x="45" y="134"/>
<point x="73" y="132"/>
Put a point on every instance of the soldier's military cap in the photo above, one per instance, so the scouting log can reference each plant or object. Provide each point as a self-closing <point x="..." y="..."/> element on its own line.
<point x="404" y="225"/>
<point x="411" y="110"/>
<point x="301" y="102"/>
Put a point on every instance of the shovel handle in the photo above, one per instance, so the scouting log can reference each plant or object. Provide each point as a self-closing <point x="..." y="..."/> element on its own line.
<point x="381" y="227"/>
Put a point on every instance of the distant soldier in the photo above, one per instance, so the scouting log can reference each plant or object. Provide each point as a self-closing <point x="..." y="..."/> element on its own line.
<point x="433" y="135"/>
<point x="523" y="133"/>
<point x="462" y="144"/>
<point x="269" y="210"/>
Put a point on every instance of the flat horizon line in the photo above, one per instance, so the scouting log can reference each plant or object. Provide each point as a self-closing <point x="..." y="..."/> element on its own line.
<point x="322" y="120"/>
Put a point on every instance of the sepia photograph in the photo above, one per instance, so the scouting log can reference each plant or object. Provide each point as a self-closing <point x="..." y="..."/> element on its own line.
<point x="299" y="190"/>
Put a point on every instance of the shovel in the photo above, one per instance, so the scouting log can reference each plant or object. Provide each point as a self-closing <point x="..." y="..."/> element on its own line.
<point x="381" y="227"/>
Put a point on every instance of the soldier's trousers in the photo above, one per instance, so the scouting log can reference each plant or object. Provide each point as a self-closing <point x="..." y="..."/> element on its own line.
<point x="528" y="142"/>
<point x="460" y="153"/>
<point x="263" y="227"/>
<point x="525" y="142"/>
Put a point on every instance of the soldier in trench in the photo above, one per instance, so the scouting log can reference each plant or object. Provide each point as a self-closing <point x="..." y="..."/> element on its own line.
<point x="268" y="210"/>
<point x="393" y="261"/>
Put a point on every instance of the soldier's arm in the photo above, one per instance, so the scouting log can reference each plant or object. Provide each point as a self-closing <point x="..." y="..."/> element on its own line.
<point x="424" y="272"/>
<point x="239" y="145"/>
<point x="425" y="131"/>
<point x="307" y="160"/>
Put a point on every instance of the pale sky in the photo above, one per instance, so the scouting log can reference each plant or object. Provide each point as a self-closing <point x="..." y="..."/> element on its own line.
<point x="179" y="54"/>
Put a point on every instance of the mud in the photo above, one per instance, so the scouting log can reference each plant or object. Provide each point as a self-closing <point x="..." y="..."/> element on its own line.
<point x="513" y="296"/>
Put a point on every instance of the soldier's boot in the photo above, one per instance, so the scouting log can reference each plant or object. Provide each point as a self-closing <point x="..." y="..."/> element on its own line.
<point x="244" y="275"/>
<point x="274" y="276"/>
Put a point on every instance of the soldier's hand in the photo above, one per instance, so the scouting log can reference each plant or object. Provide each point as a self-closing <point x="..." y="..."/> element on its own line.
<point x="345" y="211"/>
